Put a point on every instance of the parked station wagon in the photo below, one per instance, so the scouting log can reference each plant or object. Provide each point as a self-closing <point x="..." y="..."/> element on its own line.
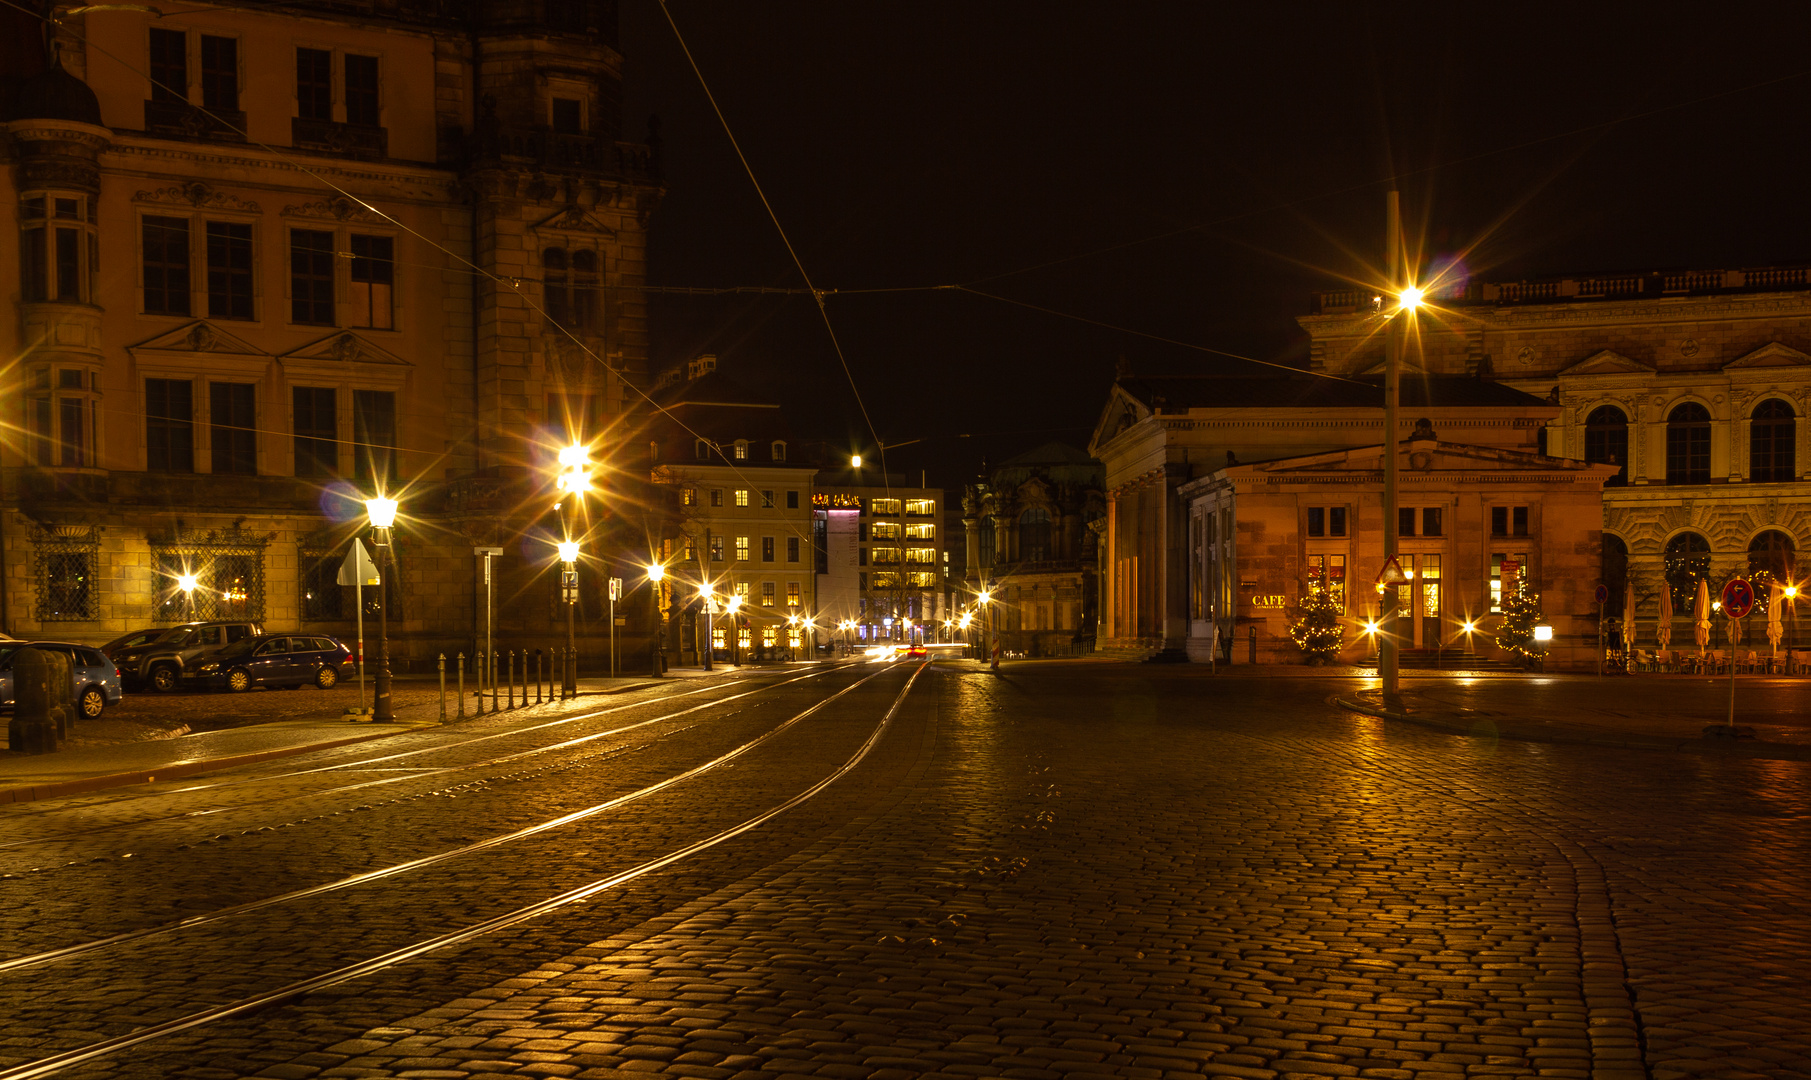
<point x="292" y="660"/>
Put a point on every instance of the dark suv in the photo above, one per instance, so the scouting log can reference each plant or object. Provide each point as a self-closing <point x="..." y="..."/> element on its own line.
<point x="160" y="663"/>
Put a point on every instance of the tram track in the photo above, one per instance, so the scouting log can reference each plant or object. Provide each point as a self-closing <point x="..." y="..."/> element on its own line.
<point x="413" y="774"/>
<point x="59" y="1061"/>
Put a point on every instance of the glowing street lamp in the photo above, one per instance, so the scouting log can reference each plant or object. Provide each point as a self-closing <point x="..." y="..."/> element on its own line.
<point x="381" y="512"/>
<point x="708" y="599"/>
<point x="987" y="642"/>
<point x="187" y="583"/>
<point x="657" y="657"/>
<point x="855" y="461"/>
<point x="569" y="589"/>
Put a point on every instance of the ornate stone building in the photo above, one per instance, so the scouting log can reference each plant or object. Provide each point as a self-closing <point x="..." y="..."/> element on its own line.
<point x="1691" y="382"/>
<point x="266" y="260"/>
<point x="1030" y="540"/>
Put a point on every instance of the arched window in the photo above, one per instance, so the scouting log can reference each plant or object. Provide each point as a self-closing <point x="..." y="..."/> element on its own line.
<point x="1615" y="573"/>
<point x="1687" y="559"/>
<point x="1771" y="558"/>
<point x="1688" y="445"/>
<point x="703" y="449"/>
<point x="1607" y="441"/>
<point x="1034" y="535"/>
<point x="1771" y="431"/>
<point x="779" y="450"/>
<point x="986" y="535"/>
<point x="741" y="449"/>
<point x="584" y="290"/>
<point x="653" y="449"/>
<point x="556" y="285"/>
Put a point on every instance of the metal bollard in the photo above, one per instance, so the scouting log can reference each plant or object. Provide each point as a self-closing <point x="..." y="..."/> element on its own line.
<point x="442" y="665"/>
<point x="509" y="675"/>
<point x="537" y="676"/>
<point x="459" y="662"/>
<point x="493" y="680"/>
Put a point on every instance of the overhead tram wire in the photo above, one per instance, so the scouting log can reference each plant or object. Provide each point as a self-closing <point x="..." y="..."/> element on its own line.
<point x="514" y="284"/>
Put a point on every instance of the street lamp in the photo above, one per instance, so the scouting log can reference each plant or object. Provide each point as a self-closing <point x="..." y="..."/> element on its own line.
<point x="656" y="573"/>
<point x="382" y="514"/>
<point x="710" y="622"/>
<point x="992" y="647"/>
<point x="792" y="636"/>
<point x="735" y="629"/>
<point x="569" y="588"/>
<point x="187" y="584"/>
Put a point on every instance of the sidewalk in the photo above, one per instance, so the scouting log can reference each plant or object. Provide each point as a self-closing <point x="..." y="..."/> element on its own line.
<point x="141" y="760"/>
<point x="1676" y="714"/>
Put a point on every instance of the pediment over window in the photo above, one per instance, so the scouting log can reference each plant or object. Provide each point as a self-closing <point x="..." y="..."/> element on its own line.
<point x="1607" y="362"/>
<point x="1772" y="354"/>
<point x="573" y="219"/>
<point x="199" y="336"/>
<point x="345" y="348"/>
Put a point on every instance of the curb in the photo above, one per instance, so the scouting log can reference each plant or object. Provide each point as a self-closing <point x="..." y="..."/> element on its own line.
<point x="177" y="770"/>
<point x="1754" y="749"/>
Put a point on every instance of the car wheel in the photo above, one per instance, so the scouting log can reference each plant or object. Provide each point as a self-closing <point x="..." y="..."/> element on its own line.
<point x="92" y="702"/>
<point x="164" y="678"/>
<point x="326" y="678"/>
<point x="238" y="680"/>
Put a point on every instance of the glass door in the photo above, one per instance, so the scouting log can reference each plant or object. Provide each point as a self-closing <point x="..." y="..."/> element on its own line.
<point x="1428" y="625"/>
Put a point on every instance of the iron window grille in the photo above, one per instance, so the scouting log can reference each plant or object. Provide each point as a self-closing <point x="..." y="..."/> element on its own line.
<point x="229" y="573"/>
<point x="66" y="562"/>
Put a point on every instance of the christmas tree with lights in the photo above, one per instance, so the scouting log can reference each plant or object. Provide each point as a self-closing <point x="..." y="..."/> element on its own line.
<point x="1521" y="610"/>
<point x="1317" y="630"/>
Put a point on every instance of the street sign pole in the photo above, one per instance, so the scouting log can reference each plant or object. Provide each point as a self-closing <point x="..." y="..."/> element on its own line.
<point x="358" y="571"/>
<point x="1738" y="601"/>
<point x="616" y="588"/>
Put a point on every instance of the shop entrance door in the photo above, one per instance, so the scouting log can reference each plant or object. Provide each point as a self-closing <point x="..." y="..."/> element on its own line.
<point x="1425" y="602"/>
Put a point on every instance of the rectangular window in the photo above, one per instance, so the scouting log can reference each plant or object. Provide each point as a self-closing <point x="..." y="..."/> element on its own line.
<point x="921" y="532"/>
<point x="1336" y="521"/>
<point x="1505" y="570"/>
<point x="232" y="410"/>
<point x="69" y="264"/>
<point x="567" y="115"/>
<point x="716" y="549"/>
<point x="361" y="90"/>
<point x="220" y="73"/>
<point x="374" y="437"/>
<point x="322" y="594"/>
<point x="373" y="281"/>
<point x="861" y="556"/>
<point x="169" y="65"/>
<point x="1317" y="521"/>
<point x="792" y="500"/>
<point x="1499" y="521"/>
<point x="166" y="242"/>
<point x="716" y="496"/>
<point x="889" y="507"/>
<point x="311" y="277"/>
<point x="921" y="507"/>
<point x="767" y="500"/>
<point x="688" y="496"/>
<point x="767" y="549"/>
<point x="767" y="594"/>
<point x="41" y="432"/>
<point x="316" y="431"/>
<point x="36" y="256"/>
<point x="314" y="84"/>
<point x="1518" y="521"/>
<point x="792" y="594"/>
<point x="1405" y="521"/>
<point x="72" y="447"/>
<point x="792" y="549"/>
<point x="741" y="497"/>
<point x="229" y="249"/>
<point x="170" y="425"/>
<point x="741" y="549"/>
<point x="67" y="590"/>
<point x="1431" y="524"/>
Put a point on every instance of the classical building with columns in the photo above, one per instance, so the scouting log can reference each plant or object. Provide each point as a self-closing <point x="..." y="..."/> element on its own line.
<point x="1691" y="382"/>
<point x="1157" y="435"/>
<point x="1031" y="540"/>
<point x="264" y="261"/>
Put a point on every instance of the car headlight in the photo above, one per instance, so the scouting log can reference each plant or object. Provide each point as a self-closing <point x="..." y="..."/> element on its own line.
<point x="207" y="668"/>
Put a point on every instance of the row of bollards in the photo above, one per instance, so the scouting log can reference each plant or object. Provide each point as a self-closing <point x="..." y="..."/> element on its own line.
<point x="516" y="668"/>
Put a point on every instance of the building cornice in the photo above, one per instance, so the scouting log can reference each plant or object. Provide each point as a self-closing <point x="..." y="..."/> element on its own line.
<point x="397" y="182"/>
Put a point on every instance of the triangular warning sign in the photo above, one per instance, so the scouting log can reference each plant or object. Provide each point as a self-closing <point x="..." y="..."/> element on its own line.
<point x="1391" y="574"/>
<point x="358" y="569"/>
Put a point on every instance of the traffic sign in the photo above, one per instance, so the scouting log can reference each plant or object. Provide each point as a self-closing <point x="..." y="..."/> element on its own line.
<point x="1603" y="594"/>
<point x="358" y="569"/>
<point x="1391" y="574"/>
<point x="616" y="588"/>
<point x="1738" y="597"/>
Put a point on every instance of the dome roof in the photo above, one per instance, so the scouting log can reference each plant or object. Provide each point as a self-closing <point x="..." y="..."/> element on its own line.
<point x="54" y="94"/>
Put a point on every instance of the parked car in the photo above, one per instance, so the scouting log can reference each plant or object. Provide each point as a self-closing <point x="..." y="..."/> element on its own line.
<point x="161" y="662"/>
<point x="292" y="660"/>
<point x="137" y="639"/>
<point x="97" y="682"/>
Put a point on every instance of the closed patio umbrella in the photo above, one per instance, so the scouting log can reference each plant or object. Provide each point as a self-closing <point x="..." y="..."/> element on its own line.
<point x="1701" y="615"/>
<point x="1664" y="632"/>
<point x="1776" y="599"/>
<point x="1628" y="617"/>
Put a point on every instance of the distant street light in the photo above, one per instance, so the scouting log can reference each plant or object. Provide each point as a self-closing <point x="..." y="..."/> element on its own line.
<point x="382" y="514"/>
<point x="187" y="584"/>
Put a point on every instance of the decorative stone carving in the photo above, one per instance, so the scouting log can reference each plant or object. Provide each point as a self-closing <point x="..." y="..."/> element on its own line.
<point x="1688" y="348"/>
<point x="337" y="208"/>
<point x="197" y="194"/>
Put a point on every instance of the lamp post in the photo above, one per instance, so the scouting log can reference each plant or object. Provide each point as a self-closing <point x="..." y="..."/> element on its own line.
<point x="735" y="629"/>
<point x="569" y="590"/>
<point x="987" y="623"/>
<point x="792" y="635"/>
<point x="1407" y="301"/>
<point x="656" y="573"/>
<point x="187" y="584"/>
<point x="382" y="514"/>
<point x="709" y="600"/>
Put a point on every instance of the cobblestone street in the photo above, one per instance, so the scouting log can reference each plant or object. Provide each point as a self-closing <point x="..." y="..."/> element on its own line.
<point x="1068" y="869"/>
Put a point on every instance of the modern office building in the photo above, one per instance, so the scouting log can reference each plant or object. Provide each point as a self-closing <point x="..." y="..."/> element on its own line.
<point x="880" y="557"/>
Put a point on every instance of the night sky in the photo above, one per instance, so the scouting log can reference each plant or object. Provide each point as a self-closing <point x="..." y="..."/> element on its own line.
<point x="968" y="143"/>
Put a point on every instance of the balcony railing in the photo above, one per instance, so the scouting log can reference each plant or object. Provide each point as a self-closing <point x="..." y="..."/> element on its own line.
<point x="182" y="120"/>
<point x="330" y="137"/>
<point x="561" y="150"/>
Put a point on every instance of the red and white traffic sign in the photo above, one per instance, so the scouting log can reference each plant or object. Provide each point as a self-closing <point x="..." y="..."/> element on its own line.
<point x="1738" y="597"/>
<point x="1603" y="594"/>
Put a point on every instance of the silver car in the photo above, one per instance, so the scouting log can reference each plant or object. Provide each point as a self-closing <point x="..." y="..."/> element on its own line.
<point x="97" y="682"/>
